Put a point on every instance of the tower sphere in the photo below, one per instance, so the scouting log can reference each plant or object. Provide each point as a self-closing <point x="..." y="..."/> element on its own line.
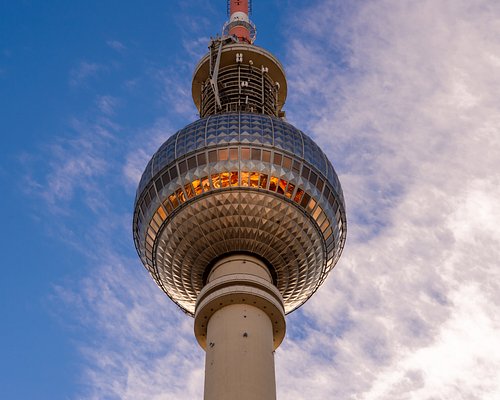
<point x="239" y="182"/>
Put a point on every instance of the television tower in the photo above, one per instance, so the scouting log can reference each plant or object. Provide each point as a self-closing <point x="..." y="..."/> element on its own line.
<point x="239" y="217"/>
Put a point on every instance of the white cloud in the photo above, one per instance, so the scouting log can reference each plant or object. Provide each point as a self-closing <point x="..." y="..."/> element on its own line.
<point x="116" y="45"/>
<point x="407" y="113"/>
<point x="402" y="97"/>
<point x="83" y="71"/>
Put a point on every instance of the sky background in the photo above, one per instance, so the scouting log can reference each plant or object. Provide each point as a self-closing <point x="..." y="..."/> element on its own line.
<point x="403" y="96"/>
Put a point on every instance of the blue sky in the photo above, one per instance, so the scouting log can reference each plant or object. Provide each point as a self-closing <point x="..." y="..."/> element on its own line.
<point x="404" y="98"/>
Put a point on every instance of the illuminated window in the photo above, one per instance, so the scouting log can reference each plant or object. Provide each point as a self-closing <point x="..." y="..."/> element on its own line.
<point x="224" y="178"/>
<point x="282" y="186"/>
<point x="205" y="183"/>
<point x="317" y="212"/>
<point x="150" y="241"/>
<point x="266" y="156"/>
<point x="161" y="213"/>
<point x="168" y="206"/>
<point x="289" y="190"/>
<point x="256" y="154"/>
<point x="234" y="178"/>
<point x="197" y="187"/>
<point x="173" y="200"/>
<point x="321" y="219"/>
<point x="151" y="234"/>
<point x="233" y="154"/>
<point x="328" y="233"/>
<point x="325" y="225"/>
<point x="254" y="179"/>
<point x="263" y="180"/>
<point x="273" y="184"/>
<point x="245" y="153"/>
<point x="298" y="195"/>
<point x="216" y="181"/>
<point x="311" y="205"/>
<point x="153" y="225"/>
<point x="157" y="219"/>
<point x="223" y="155"/>
<point x="180" y="195"/>
<point x="189" y="191"/>
<point x="244" y="178"/>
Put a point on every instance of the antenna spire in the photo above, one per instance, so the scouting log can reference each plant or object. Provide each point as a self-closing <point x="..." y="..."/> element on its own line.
<point x="239" y="24"/>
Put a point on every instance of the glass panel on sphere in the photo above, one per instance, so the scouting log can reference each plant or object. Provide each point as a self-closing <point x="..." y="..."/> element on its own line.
<point x="296" y="166"/>
<point x="151" y="234"/>
<point x="320" y="184"/>
<point x="273" y="184"/>
<point x="212" y="156"/>
<point x="216" y="181"/>
<point x="197" y="186"/>
<point x="305" y="172"/>
<point x="192" y="162"/>
<point x="150" y="241"/>
<point x="158" y="185"/>
<point x="234" y="178"/>
<point x="165" y="178"/>
<point x="182" y="167"/>
<point x="328" y="233"/>
<point x="266" y="156"/>
<point x="202" y="158"/>
<point x="153" y="225"/>
<point x="180" y="195"/>
<point x="287" y="162"/>
<point x="233" y="154"/>
<point x="244" y="178"/>
<point x="173" y="173"/>
<point x="282" y="186"/>
<point x="245" y="153"/>
<point x="298" y="195"/>
<point x="256" y="154"/>
<point x="305" y="200"/>
<point x="205" y="183"/>
<point x="223" y="154"/>
<point x="277" y="159"/>
<point x="224" y="178"/>
<point x="263" y="180"/>
<point x="289" y="190"/>
<point x="313" y="178"/>
<point x="254" y="179"/>
<point x="189" y="190"/>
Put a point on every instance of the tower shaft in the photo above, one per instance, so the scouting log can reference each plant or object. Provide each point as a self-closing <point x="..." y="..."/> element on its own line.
<point x="240" y="322"/>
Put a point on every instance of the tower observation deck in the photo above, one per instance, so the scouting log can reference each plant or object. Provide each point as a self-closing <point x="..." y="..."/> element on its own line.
<point x="239" y="216"/>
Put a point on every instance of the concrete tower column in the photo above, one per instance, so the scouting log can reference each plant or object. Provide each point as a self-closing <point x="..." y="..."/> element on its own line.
<point x="239" y="321"/>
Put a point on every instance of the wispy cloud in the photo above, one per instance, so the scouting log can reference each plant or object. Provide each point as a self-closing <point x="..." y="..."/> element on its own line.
<point x="83" y="71"/>
<point x="116" y="45"/>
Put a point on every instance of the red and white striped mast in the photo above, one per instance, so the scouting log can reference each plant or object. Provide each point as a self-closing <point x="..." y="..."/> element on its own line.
<point x="239" y="24"/>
